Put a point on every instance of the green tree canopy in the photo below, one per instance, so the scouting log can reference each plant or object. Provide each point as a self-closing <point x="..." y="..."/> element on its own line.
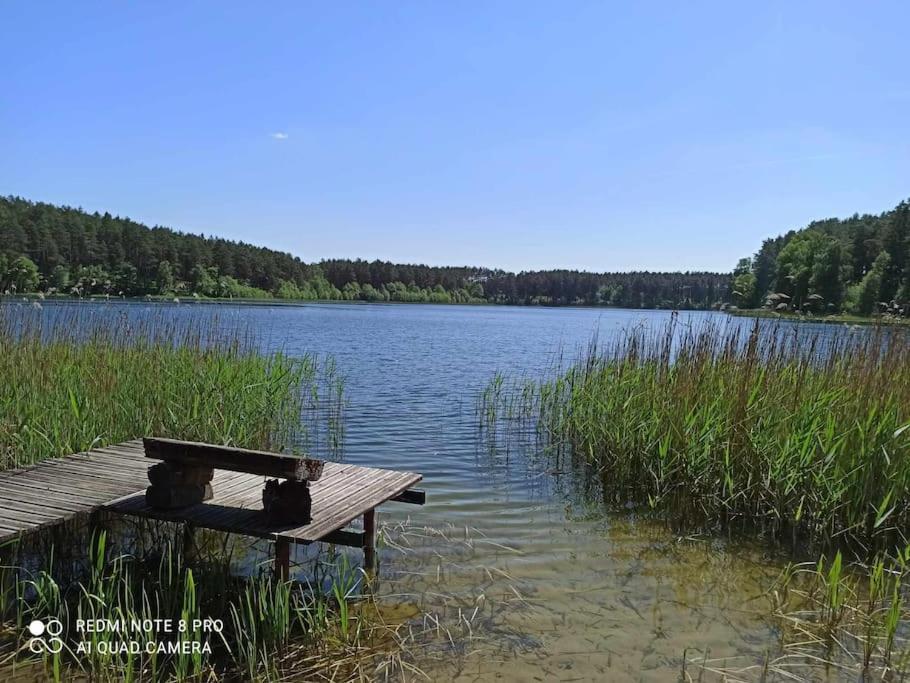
<point x="83" y="253"/>
<point x="854" y="263"/>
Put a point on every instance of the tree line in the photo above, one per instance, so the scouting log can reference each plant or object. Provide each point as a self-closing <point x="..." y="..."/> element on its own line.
<point x="859" y="265"/>
<point x="67" y="251"/>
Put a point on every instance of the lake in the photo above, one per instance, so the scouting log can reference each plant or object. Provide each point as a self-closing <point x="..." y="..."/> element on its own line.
<point x="528" y="576"/>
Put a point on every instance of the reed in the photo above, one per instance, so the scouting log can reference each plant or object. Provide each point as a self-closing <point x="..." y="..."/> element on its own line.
<point x="852" y="616"/>
<point x="802" y="435"/>
<point x="73" y="381"/>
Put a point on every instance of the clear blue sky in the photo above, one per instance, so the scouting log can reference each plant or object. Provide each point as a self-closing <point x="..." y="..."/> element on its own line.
<point x="522" y="135"/>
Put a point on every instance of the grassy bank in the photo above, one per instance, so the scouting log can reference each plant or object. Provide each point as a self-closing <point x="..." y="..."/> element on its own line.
<point x="72" y="381"/>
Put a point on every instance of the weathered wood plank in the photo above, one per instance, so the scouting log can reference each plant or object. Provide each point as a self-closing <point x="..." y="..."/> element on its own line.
<point x="216" y="514"/>
<point x="352" y="539"/>
<point x="345" y="510"/>
<point x="29" y="516"/>
<point x="93" y="491"/>
<point x="26" y="498"/>
<point x="237" y="459"/>
<point x="89" y="472"/>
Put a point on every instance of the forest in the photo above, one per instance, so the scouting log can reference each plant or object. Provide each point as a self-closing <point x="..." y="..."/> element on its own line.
<point x="59" y="250"/>
<point x="858" y="265"/>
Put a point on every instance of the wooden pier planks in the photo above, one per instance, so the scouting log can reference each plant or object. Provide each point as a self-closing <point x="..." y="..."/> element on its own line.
<point x="115" y="477"/>
<point x="56" y="490"/>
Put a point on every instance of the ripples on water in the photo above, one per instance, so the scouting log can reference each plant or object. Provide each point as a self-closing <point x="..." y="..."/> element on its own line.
<point x="529" y="578"/>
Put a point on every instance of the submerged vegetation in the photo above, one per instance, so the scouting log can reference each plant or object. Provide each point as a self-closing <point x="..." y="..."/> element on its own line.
<point x="856" y="614"/>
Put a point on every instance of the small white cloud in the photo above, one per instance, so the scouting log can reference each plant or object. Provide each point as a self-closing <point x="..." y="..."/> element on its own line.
<point x="279" y="136"/>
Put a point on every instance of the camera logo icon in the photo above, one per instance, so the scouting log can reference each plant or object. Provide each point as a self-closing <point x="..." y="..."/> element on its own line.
<point x="38" y="643"/>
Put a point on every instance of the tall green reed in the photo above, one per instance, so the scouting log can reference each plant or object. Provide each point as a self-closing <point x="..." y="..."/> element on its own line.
<point x="850" y="616"/>
<point x="72" y="382"/>
<point x="803" y="435"/>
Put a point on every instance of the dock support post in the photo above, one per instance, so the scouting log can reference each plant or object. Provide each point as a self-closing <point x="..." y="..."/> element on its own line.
<point x="282" y="559"/>
<point x="369" y="540"/>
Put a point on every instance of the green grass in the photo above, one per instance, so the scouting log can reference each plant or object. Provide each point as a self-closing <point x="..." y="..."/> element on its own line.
<point x="853" y="616"/>
<point x="258" y="629"/>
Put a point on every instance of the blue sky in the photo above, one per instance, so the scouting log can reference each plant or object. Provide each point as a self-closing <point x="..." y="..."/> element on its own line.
<point x="662" y="136"/>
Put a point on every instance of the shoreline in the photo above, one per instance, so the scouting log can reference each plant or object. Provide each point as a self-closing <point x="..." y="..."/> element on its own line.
<point x="832" y="319"/>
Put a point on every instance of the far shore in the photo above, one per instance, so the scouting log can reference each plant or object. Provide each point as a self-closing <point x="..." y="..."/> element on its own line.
<point x="832" y="318"/>
<point x="160" y="299"/>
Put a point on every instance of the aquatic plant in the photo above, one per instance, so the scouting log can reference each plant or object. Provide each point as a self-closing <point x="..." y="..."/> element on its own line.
<point x="848" y="617"/>
<point x="804" y="435"/>
<point x="79" y="380"/>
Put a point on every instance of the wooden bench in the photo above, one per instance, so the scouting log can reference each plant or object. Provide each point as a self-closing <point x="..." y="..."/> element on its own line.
<point x="184" y="479"/>
<point x="185" y="475"/>
<point x="265" y="463"/>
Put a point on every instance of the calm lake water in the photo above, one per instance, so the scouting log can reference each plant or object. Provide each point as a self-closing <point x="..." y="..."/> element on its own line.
<point x="529" y="578"/>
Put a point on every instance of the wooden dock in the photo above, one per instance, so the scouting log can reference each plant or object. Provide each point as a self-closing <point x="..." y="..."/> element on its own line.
<point x="114" y="478"/>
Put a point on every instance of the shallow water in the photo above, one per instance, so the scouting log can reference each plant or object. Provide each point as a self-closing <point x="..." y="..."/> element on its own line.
<point x="529" y="577"/>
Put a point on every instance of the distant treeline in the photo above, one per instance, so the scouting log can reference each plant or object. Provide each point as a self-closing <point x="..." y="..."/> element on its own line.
<point x="859" y="264"/>
<point x="63" y="250"/>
